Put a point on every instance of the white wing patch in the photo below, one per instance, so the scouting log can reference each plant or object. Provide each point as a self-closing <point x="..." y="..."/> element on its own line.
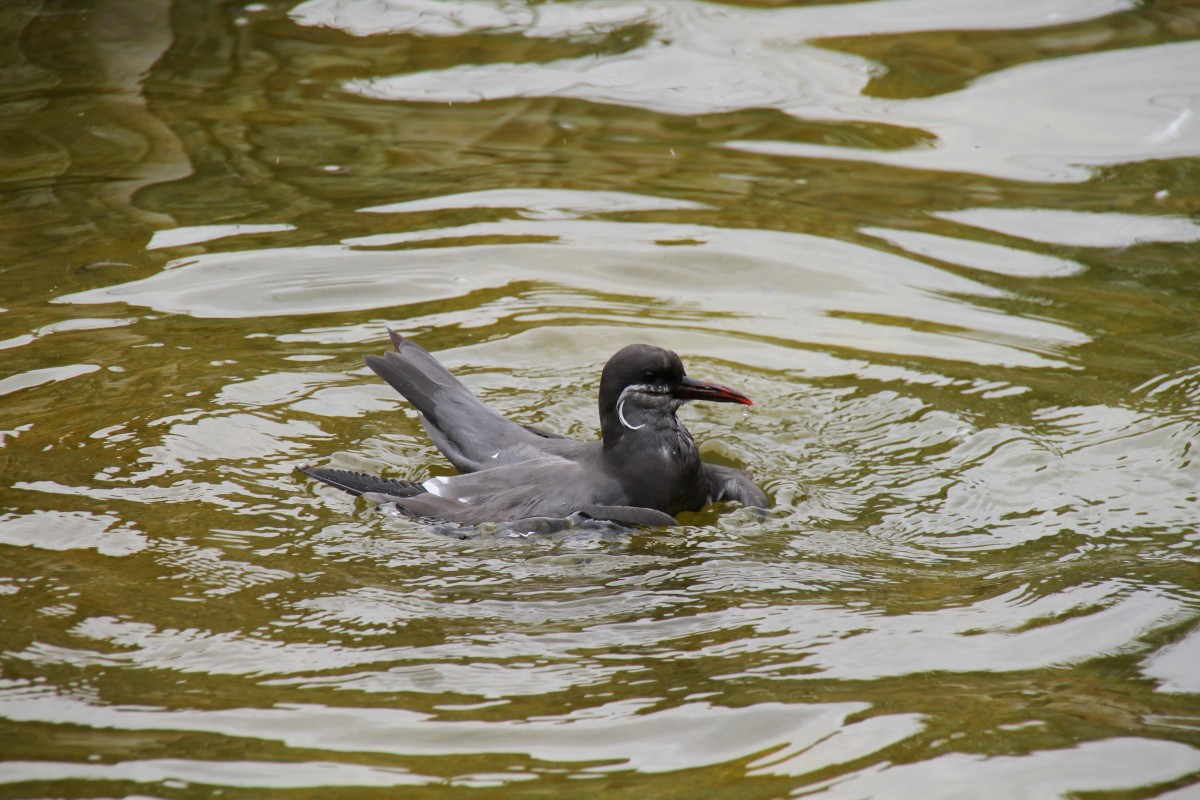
<point x="434" y="486"/>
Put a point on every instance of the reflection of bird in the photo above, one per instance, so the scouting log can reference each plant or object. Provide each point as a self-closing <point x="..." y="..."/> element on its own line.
<point x="645" y="469"/>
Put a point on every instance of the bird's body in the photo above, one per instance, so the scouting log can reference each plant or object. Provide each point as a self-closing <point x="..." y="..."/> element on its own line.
<point x="644" y="471"/>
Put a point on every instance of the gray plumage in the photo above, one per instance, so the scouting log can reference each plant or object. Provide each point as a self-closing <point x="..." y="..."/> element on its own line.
<point x="645" y="469"/>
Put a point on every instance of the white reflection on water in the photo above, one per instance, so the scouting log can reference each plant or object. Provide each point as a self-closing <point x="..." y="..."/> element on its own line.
<point x="240" y="774"/>
<point x="455" y="17"/>
<point x="1099" y="766"/>
<point x="1078" y="228"/>
<point x="1049" y="120"/>
<point x="543" y="203"/>
<point x="39" y="377"/>
<point x="176" y="237"/>
<point x="71" y="530"/>
<point x="1015" y="631"/>
<point x="1090" y="470"/>
<point x="440" y="18"/>
<point x="823" y="290"/>
<point x="1044" y="121"/>
<point x="1175" y="666"/>
<point x="977" y="255"/>
<point x="620" y="735"/>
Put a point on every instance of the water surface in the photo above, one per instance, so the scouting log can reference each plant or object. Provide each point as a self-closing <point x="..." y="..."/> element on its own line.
<point x="949" y="248"/>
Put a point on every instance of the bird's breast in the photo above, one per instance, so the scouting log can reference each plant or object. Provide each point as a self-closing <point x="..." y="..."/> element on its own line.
<point x="662" y="470"/>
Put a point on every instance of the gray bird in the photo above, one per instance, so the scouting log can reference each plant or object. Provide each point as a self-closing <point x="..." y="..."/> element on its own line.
<point x="643" y="471"/>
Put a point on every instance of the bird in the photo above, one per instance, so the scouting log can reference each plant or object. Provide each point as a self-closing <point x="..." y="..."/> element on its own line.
<point x="644" y="470"/>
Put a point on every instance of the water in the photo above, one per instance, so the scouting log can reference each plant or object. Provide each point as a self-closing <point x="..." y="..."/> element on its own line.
<point x="949" y="248"/>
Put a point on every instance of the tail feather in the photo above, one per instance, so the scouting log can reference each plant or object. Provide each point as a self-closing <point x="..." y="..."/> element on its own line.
<point x="357" y="483"/>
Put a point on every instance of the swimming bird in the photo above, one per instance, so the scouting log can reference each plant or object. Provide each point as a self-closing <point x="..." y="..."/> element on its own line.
<point x="644" y="470"/>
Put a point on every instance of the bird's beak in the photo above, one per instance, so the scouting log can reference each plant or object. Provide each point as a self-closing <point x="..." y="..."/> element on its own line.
<point x="689" y="389"/>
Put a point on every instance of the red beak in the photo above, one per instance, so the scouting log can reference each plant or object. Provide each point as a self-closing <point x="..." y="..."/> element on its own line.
<point x="689" y="389"/>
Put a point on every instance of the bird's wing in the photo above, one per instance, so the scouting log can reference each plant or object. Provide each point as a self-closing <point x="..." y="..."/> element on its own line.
<point x="357" y="483"/>
<point x="501" y="494"/>
<point x="543" y="433"/>
<point x="440" y="508"/>
<point x="432" y="507"/>
<point x="470" y="434"/>
<point x="727" y="483"/>
<point x="541" y="487"/>
<point x="630" y="515"/>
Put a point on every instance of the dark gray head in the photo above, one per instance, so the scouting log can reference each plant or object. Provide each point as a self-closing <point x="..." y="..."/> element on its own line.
<point x="641" y="381"/>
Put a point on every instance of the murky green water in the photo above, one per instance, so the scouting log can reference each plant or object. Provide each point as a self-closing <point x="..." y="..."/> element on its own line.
<point x="950" y="248"/>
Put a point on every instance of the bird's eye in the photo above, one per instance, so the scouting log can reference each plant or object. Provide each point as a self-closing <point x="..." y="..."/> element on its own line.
<point x="648" y="375"/>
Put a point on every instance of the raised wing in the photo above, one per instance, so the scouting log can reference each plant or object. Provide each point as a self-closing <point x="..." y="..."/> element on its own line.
<point x="469" y="433"/>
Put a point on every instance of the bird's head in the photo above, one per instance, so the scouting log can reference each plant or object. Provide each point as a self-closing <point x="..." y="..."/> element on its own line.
<point x="641" y="381"/>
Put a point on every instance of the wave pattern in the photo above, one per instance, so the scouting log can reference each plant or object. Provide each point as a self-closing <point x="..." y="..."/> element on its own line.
<point x="947" y="247"/>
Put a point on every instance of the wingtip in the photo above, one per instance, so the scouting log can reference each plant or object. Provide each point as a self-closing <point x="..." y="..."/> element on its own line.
<point x="385" y="366"/>
<point x="397" y="339"/>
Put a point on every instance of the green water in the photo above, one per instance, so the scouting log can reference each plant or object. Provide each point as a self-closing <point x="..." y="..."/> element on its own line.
<point x="949" y="248"/>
